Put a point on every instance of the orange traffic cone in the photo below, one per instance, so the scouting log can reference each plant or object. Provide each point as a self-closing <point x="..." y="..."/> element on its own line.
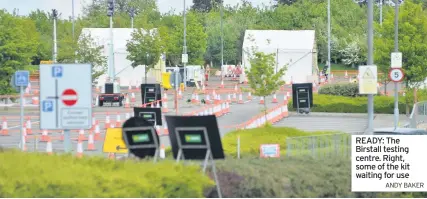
<point x="91" y="143"/>
<point x="127" y="103"/>
<point x="261" y="101"/>
<point x="45" y="136"/>
<point x="133" y="98"/>
<point x="179" y="94"/>
<point x="234" y="97"/>
<point x="162" y="151"/>
<point x="165" y="107"/>
<point x="274" y="98"/>
<point x="208" y="99"/>
<point x="222" y="84"/>
<point x="49" y="149"/>
<point x="165" y="129"/>
<point x="107" y="121"/>
<point x="82" y="135"/>
<point x="97" y="133"/>
<point x="28" y="126"/>
<point x="240" y="99"/>
<point x="79" y="148"/>
<point x="249" y="96"/>
<point x="4" y="128"/>
<point x="118" y="120"/>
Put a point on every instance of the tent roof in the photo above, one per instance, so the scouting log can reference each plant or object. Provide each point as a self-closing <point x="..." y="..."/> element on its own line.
<point x="281" y="39"/>
<point x="102" y="36"/>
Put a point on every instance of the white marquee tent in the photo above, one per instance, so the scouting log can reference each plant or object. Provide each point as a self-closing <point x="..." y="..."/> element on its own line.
<point x="123" y="69"/>
<point x="295" y="49"/>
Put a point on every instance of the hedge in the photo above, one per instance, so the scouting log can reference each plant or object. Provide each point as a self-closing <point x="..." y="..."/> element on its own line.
<point x="341" y="104"/>
<point x="346" y="89"/>
<point x="29" y="175"/>
<point x="251" y="139"/>
<point x="292" y="178"/>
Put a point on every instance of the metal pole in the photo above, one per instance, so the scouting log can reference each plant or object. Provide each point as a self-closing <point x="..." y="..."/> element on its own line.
<point x="329" y="38"/>
<point x="111" y="57"/>
<point x="381" y="12"/>
<point x="185" y="45"/>
<point x="396" y="49"/>
<point x="370" y="62"/>
<point x="75" y="52"/>
<point x="131" y="22"/>
<point x="55" y="49"/>
<point x="22" y="118"/>
<point x="222" y="41"/>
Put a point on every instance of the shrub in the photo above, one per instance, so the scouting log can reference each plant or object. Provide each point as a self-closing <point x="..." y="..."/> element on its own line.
<point x="251" y="139"/>
<point x="27" y="175"/>
<point x="347" y="89"/>
<point x="288" y="178"/>
<point x="341" y="104"/>
<point x="292" y="178"/>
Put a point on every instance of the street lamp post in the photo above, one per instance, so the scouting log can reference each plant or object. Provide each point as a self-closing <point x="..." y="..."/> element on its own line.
<point x="329" y="39"/>
<point x="370" y="62"/>
<point x="185" y="45"/>
<point x="145" y="69"/>
<point x="72" y="13"/>
<point x="396" y="49"/>
<point x="110" y="13"/>
<point x="132" y="15"/>
<point x="222" y="40"/>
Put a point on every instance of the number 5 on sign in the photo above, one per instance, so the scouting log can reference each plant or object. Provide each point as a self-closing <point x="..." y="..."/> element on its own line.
<point x="396" y="75"/>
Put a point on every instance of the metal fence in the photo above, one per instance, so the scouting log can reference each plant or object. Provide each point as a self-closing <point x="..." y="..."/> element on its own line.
<point x="418" y="115"/>
<point x="320" y="145"/>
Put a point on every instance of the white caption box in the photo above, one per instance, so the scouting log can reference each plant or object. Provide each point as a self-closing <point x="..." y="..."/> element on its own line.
<point x="395" y="163"/>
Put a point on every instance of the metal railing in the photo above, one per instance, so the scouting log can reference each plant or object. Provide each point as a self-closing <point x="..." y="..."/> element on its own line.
<point x="320" y="146"/>
<point x="418" y="115"/>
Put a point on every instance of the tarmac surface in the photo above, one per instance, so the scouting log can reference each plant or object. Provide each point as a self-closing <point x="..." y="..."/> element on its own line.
<point x="238" y="114"/>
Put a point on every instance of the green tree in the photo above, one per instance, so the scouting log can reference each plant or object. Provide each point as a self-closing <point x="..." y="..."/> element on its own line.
<point x="412" y="42"/>
<point x="18" y="44"/>
<point x="262" y="77"/>
<point x="286" y="2"/>
<point x="213" y="31"/>
<point x="89" y="52"/>
<point x="196" y="39"/>
<point x="205" y="5"/>
<point x="144" y="48"/>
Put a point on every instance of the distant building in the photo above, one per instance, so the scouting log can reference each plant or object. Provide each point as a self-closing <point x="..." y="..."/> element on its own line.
<point x="295" y="49"/>
<point x="123" y="69"/>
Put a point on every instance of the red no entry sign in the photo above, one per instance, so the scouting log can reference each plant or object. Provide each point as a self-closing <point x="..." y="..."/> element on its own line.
<point x="69" y="97"/>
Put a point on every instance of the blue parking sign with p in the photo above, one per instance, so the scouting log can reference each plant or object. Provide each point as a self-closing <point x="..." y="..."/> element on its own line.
<point x="57" y="71"/>
<point x="47" y="106"/>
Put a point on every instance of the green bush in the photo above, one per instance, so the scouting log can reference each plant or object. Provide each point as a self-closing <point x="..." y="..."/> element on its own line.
<point x="251" y="139"/>
<point x="26" y="175"/>
<point x="341" y="104"/>
<point x="292" y="178"/>
<point x="347" y="89"/>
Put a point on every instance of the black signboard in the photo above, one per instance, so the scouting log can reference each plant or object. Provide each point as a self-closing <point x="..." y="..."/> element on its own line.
<point x="193" y="135"/>
<point x="302" y="95"/>
<point x="141" y="138"/>
<point x="153" y="115"/>
<point x="151" y="93"/>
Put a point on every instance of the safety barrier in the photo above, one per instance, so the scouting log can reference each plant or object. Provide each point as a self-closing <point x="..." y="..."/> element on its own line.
<point x="319" y="146"/>
<point x="418" y="117"/>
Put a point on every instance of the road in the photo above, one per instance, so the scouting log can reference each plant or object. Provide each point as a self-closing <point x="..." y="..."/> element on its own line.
<point x="344" y="122"/>
<point x="239" y="113"/>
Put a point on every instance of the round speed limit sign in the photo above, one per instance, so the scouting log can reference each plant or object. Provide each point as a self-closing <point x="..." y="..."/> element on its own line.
<point x="396" y="75"/>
